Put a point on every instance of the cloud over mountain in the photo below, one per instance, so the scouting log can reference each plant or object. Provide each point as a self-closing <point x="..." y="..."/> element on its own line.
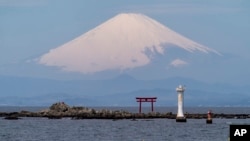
<point x="123" y="42"/>
<point x="178" y="63"/>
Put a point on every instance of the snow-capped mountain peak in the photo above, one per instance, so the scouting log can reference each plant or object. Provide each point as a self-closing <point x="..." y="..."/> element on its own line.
<point x="119" y="43"/>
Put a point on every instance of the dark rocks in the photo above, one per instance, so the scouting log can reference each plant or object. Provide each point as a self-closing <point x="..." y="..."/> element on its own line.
<point x="59" y="107"/>
<point x="181" y="119"/>
<point x="54" y="117"/>
<point x="12" y="116"/>
<point x="87" y="113"/>
<point x="60" y="110"/>
<point x="209" y="121"/>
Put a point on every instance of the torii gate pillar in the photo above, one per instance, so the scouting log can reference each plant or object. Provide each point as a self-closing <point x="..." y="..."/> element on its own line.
<point x="146" y="99"/>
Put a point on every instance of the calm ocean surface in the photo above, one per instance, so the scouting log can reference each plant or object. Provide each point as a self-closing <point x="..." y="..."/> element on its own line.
<point x="43" y="129"/>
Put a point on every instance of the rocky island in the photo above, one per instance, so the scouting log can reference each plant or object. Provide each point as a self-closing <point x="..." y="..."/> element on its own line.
<point x="62" y="110"/>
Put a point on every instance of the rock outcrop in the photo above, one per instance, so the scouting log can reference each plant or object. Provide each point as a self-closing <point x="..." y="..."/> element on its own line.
<point x="60" y="109"/>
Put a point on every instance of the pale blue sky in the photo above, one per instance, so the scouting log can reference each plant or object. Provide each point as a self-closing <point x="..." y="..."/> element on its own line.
<point x="30" y="28"/>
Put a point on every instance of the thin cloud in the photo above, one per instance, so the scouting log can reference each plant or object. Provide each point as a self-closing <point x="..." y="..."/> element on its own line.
<point x="178" y="63"/>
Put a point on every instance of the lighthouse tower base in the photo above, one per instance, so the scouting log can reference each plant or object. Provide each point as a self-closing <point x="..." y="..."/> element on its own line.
<point x="181" y="119"/>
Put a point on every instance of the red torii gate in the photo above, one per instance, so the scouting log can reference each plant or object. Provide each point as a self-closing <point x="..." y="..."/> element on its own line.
<point x="146" y="99"/>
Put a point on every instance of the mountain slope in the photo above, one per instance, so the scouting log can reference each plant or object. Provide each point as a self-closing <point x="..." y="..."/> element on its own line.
<point x="125" y="41"/>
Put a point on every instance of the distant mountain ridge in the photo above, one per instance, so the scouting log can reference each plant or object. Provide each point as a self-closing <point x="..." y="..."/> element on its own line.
<point x="120" y="91"/>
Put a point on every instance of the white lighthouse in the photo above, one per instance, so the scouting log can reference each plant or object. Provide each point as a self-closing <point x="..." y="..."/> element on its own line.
<point x="180" y="116"/>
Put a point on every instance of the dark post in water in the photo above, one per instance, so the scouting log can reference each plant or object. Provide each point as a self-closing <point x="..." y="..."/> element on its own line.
<point x="209" y="117"/>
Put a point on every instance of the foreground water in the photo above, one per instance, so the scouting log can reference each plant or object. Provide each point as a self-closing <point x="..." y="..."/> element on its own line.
<point x="41" y="129"/>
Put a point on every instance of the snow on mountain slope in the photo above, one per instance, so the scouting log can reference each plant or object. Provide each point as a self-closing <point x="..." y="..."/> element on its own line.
<point x="119" y="43"/>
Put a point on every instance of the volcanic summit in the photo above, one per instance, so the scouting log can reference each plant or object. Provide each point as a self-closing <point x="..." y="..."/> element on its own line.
<point x="117" y="44"/>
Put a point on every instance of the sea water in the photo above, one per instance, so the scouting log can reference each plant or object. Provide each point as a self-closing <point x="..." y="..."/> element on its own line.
<point x="65" y="129"/>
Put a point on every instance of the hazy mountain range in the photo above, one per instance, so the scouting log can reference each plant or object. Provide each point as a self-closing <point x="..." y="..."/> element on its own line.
<point x="119" y="91"/>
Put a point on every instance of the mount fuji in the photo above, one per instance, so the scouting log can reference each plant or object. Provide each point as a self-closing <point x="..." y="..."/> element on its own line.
<point x="125" y="41"/>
